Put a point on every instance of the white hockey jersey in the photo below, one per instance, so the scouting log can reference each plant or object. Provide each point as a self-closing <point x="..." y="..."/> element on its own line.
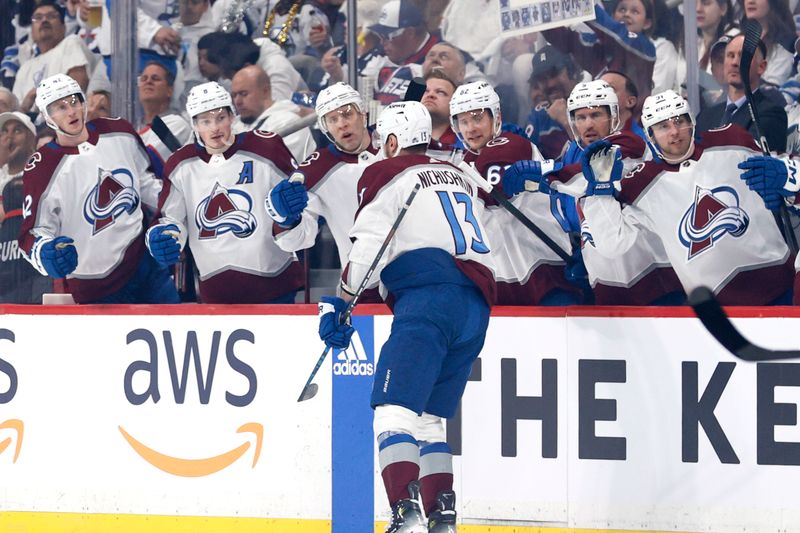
<point x="526" y="268"/>
<point x="92" y="193"/>
<point x="217" y="202"/>
<point x="158" y="151"/>
<point x="331" y="177"/>
<point x="640" y="275"/>
<point x="716" y="231"/>
<point x="445" y="215"/>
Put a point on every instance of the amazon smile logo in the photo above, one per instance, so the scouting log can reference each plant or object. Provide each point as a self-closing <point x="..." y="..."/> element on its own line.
<point x="19" y="428"/>
<point x="196" y="467"/>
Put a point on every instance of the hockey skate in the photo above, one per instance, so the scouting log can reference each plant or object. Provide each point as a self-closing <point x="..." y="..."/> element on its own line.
<point x="443" y="519"/>
<point x="407" y="515"/>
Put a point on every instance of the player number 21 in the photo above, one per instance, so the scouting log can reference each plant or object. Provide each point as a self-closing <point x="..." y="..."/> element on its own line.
<point x="477" y="245"/>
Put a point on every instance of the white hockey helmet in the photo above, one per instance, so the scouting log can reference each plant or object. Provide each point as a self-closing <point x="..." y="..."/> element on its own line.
<point x="472" y="97"/>
<point x="54" y="88"/>
<point x="595" y="93"/>
<point x="206" y="97"/>
<point x="332" y="98"/>
<point x="660" y="107"/>
<point x="409" y="122"/>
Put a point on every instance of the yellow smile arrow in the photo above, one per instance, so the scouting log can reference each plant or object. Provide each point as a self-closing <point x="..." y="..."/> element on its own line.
<point x="197" y="467"/>
<point x="19" y="427"/>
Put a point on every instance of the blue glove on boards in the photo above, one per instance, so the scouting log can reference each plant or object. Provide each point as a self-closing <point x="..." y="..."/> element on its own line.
<point x="286" y="201"/>
<point x="331" y="330"/>
<point x="601" y="163"/>
<point x="162" y="241"/>
<point x="59" y="257"/>
<point x="771" y="178"/>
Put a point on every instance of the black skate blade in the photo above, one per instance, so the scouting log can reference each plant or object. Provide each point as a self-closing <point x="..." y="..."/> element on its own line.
<point x="309" y="391"/>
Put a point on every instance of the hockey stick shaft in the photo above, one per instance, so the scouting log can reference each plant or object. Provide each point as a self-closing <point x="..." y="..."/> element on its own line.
<point x="713" y="317"/>
<point x="304" y="395"/>
<point x="752" y="37"/>
<point x="163" y="132"/>
<point x="500" y="198"/>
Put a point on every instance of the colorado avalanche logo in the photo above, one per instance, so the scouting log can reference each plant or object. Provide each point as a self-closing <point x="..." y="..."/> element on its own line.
<point x="113" y="195"/>
<point x="713" y="214"/>
<point x="223" y="211"/>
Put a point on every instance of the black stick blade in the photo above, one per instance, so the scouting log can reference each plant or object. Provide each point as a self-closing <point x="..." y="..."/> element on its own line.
<point x="711" y="314"/>
<point x="309" y="391"/>
<point x="752" y="36"/>
<point x="415" y="91"/>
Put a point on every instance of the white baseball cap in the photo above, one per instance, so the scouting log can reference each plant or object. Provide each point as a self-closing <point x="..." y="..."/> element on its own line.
<point x="21" y="117"/>
<point x="397" y="14"/>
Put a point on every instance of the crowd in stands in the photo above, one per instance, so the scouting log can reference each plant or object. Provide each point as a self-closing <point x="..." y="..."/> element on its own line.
<point x="275" y="57"/>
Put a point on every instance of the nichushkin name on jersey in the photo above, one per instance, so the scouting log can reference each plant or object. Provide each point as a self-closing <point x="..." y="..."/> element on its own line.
<point x="429" y="178"/>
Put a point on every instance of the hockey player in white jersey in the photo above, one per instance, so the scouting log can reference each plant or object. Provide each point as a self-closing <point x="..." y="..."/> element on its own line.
<point x="82" y="210"/>
<point x="640" y="276"/>
<point x="213" y="198"/>
<point x="528" y="272"/>
<point x="715" y="230"/>
<point x="437" y="274"/>
<point x="329" y="176"/>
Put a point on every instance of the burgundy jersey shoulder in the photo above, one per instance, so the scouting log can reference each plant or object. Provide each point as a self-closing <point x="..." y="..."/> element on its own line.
<point x="268" y="145"/>
<point x="38" y="173"/>
<point x="638" y="179"/>
<point x="379" y="174"/>
<point x="631" y="145"/>
<point x="320" y="163"/>
<point x="112" y="125"/>
<point x="729" y="135"/>
<point x="505" y="149"/>
<point x="180" y="155"/>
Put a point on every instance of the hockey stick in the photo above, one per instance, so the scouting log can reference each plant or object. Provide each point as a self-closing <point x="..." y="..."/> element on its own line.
<point x="310" y="389"/>
<point x="481" y="182"/>
<point x="752" y="37"/>
<point x="710" y="313"/>
<point x="166" y="136"/>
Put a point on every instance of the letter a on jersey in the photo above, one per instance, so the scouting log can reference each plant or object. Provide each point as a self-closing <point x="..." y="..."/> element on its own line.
<point x="714" y="213"/>
<point x="113" y="195"/>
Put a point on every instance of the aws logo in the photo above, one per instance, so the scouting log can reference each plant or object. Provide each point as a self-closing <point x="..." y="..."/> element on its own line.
<point x="205" y="366"/>
<point x="18" y="427"/>
<point x="197" y="467"/>
<point x="14" y="425"/>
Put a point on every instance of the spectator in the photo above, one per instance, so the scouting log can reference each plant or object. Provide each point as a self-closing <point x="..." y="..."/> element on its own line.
<point x="553" y="77"/>
<point x="639" y="18"/>
<point x="406" y="43"/>
<point x="8" y="102"/>
<point x="772" y="117"/>
<point x="252" y="96"/>
<point x="85" y="218"/>
<point x="99" y="105"/>
<point x="57" y="54"/>
<point x="18" y="139"/>
<point x="439" y="89"/>
<point x="196" y="21"/>
<point x="155" y="94"/>
<point x="714" y="19"/>
<point x="214" y="202"/>
<point x="451" y="61"/>
<point x="778" y="34"/>
<point x="628" y="99"/>
<point x="299" y="27"/>
<point x="609" y="46"/>
<point x="228" y="53"/>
